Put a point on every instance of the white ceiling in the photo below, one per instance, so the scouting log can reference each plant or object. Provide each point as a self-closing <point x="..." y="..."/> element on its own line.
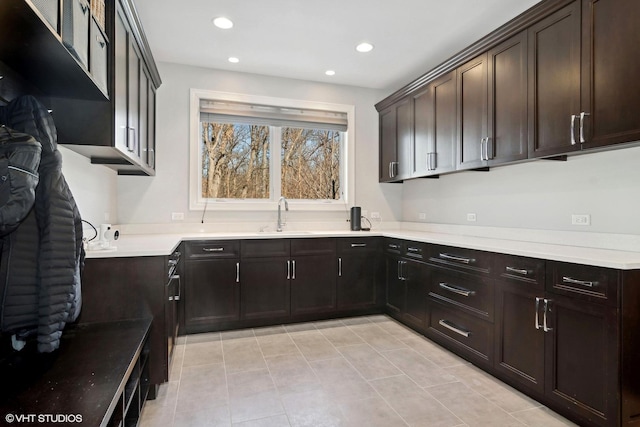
<point x="301" y="39"/>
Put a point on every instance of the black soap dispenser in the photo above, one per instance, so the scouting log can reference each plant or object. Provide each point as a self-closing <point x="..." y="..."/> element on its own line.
<point x="356" y="214"/>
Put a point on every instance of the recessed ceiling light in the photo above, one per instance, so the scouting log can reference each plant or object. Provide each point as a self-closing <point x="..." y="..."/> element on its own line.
<point x="222" y="22"/>
<point x="364" y="47"/>
<point x="233" y="59"/>
<point x="330" y="73"/>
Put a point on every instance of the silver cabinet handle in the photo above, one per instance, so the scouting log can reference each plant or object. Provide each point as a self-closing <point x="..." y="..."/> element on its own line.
<point x="453" y="328"/>
<point x="288" y="269"/>
<point x="237" y="272"/>
<point x="339" y="267"/>
<point x="486" y="149"/>
<point x="414" y="250"/>
<point x="482" y="148"/>
<point x="428" y="158"/>
<point x="432" y="161"/>
<point x="392" y="246"/>
<point x="457" y="290"/>
<point x="213" y="249"/>
<point x="390" y="169"/>
<point x="457" y="258"/>
<point x="582" y="116"/>
<point x="545" y="326"/>
<point x="517" y="271"/>
<point x="573" y="129"/>
<point x="177" y="297"/>
<point x="573" y="281"/>
<point x="399" y="270"/>
<point x="358" y="245"/>
<point x="131" y="147"/>
<point x="537" y="324"/>
<point x="293" y="276"/>
<point x="152" y="158"/>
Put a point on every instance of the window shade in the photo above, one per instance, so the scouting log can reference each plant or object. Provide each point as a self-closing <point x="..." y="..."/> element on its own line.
<point x="268" y="115"/>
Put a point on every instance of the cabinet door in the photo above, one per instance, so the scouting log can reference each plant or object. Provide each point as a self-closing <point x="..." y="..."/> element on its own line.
<point x="133" y="103"/>
<point x="151" y="119"/>
<point x="395" y="142"/>
<point x="443" y="137"/>
<point x="422" y="144"/>
<point x="388" y="144"/>
<point x="265" y="289"/>
<point x="554" y="82"/>
<point x="144" y="117"/>
<point x="581" y="360"/>
<point x="610" y="64"/>
<point x="415" y="306"/>
<point x="472" y="112"/>
<point x="357" y="281"/>
<point x="211" y="293"/>
<point x="395" y="294"/>
<point x="519" y="352"/>
<point x="508" y="101"/>
<point x="120" y="70"/>
<point x="313" y="284"/>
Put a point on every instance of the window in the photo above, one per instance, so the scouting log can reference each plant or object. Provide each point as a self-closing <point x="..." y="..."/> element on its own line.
<point x="247" y="152"/>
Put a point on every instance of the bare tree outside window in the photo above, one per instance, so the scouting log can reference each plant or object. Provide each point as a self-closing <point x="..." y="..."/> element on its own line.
<point x="235" y="161"/>
<point x="310" y="164"/>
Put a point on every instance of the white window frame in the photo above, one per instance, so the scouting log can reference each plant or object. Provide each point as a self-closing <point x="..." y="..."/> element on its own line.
<point x="347" y="161"/>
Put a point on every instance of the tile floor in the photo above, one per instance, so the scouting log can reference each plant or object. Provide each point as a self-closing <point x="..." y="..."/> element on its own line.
<point x="362" y="371"/>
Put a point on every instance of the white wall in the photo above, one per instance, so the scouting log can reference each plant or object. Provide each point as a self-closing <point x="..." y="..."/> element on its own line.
<point x="93" y="187"/>
<point x="541" y="194"/>
<point x="153" y="199"/>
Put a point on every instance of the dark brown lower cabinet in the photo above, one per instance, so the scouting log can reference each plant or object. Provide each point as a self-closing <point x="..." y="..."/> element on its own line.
<point x="396" y="287"/>
<point x="582" y="358"/>
<point x="265" y="288"/>
<point x="407" y="284"/>
<point x="313" y="284"/>
<point x="211" y="293"/>
<point x="359" y="274"/>
<point x="519" y="339"/>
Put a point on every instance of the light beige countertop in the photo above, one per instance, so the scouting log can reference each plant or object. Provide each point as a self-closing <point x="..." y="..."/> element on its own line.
<point x="134" y="245"/>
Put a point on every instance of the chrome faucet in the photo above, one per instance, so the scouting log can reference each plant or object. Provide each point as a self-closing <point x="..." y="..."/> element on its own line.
<point x="286" y="207"/>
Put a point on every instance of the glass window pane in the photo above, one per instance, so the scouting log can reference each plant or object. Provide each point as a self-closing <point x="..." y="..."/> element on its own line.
<point x="310" y="163"/>
<point x="235" y="161"/>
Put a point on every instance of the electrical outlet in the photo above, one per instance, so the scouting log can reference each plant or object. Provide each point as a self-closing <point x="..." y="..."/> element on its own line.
<point x="580" y="219"/>
<point x="471" y="217"/>
<point x="375" y="215"/>
<point x="177" y="216"/>
<point x="422" y="215"/>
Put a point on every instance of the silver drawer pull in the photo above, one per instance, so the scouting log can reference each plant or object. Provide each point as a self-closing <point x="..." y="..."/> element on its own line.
<point x="392" y="246"/>
<point x="457" y="258"/>
<point x="573" y="281"/>
<point x="213" y="249"/>
<point x="415" y="250"/>
<point x="358" y="245"/>
<point x="453" y="328"/>
<point x="456" y="290"/>
<point x="518" y="271"/>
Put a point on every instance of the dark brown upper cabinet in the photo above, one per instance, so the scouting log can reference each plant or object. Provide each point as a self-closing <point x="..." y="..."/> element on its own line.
<point x="584" y="92"/>
<point x="472" y="112"/>
<point x="434" y="127"/>
<point x="396" y="135"/>
<point x="610" y="62"/>
<point x="507" y="137"/>
<point x="554" y="83"/>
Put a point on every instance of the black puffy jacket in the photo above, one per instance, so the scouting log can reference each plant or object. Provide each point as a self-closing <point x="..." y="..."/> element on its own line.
<point x="42" y="259"/>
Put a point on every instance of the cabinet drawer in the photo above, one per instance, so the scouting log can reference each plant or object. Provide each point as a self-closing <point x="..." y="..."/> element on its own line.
<point x="415" y="250"/>
<point x="265" y="248"/>
<point x="358" y="245"/>
<point x="470" y="334"/>
<point x="313" y="246"/>
<point x="596" y="284"/>
<point x="212" y="249"/>
<point x="393" y="246"/>
<point x="470" y="293"/>
<point x="521" y="270"/>
<point x="460" y="258"/>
